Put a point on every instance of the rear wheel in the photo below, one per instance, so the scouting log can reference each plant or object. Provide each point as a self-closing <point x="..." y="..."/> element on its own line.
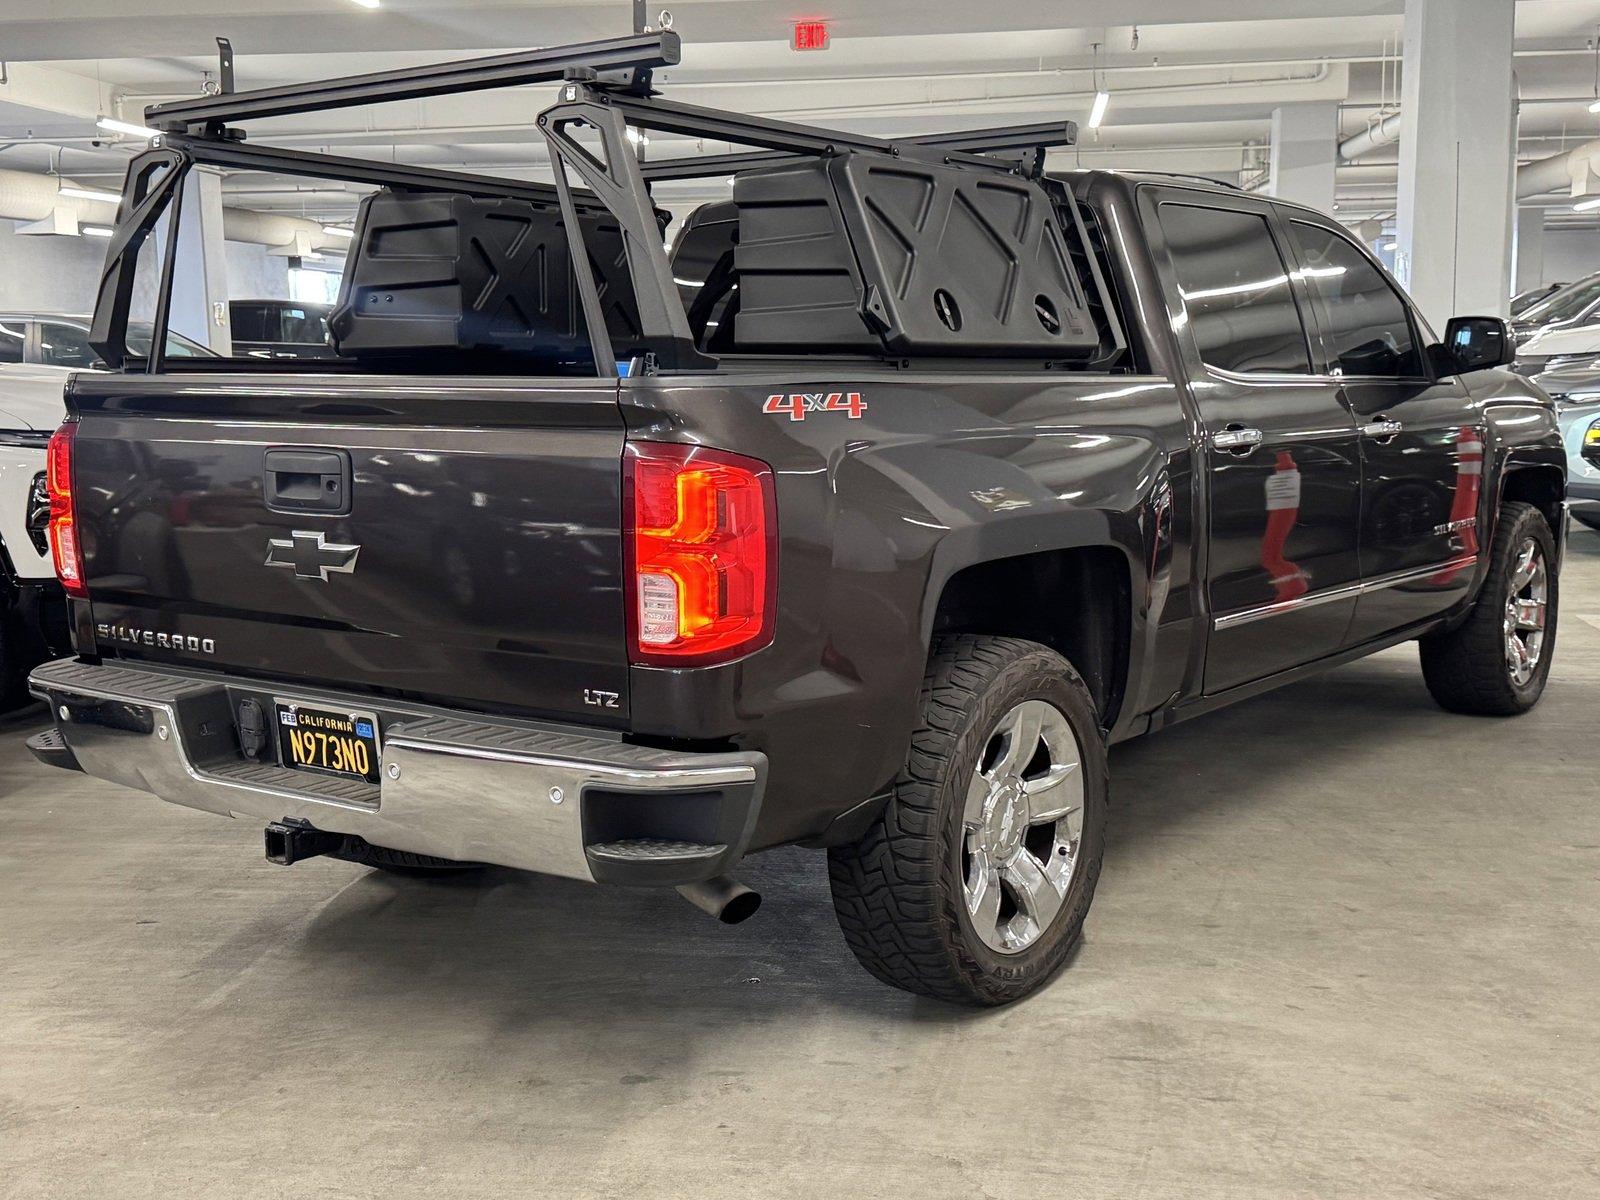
<point x="1496" y="662"/>
<point x="973" y="884"/>
<point x="402" y="862"/>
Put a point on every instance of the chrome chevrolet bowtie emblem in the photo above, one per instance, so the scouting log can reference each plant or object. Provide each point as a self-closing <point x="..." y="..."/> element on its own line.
<point x="310" y="556"/>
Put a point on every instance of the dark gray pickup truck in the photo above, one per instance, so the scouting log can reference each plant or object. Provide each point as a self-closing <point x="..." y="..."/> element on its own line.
<point x="864" y="516"/>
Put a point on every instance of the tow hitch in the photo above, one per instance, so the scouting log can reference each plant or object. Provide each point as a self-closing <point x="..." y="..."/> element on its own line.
<point x="292" y="839"/>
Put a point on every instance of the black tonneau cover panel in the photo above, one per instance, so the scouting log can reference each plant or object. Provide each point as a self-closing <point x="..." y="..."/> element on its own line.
<point x="865" y="253"/>
<point x="442" y="274"/>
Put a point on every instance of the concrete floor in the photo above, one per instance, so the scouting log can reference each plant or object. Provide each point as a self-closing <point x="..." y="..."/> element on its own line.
<point x="1345" y="946"/>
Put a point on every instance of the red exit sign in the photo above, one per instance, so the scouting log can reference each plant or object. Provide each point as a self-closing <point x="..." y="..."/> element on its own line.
<point x="810" y="35"/>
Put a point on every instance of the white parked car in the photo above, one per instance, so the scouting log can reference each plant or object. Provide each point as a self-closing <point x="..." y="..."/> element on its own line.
<point x="38" y="354"/>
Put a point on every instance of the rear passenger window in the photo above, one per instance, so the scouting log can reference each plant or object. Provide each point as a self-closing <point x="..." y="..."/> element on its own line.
<point x="13" y="337"/>
<point x="1364" y="323"/>
<point x="1236" y="292"/>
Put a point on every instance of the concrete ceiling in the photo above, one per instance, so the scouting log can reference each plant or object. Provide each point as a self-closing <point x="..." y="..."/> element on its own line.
<point x="1194" y="94"/>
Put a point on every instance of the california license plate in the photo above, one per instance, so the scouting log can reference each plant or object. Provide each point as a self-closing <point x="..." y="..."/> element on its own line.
<point x="328" y="741"/>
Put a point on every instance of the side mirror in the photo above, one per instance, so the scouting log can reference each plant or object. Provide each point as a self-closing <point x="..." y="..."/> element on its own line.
<point x="1477" y="343"/>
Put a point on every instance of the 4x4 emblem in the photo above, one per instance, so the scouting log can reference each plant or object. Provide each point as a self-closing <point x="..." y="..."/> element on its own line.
<point x="310" y="556"/>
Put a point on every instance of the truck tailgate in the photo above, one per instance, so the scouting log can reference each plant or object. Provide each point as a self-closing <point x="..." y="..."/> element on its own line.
<point x="475" y="559"/>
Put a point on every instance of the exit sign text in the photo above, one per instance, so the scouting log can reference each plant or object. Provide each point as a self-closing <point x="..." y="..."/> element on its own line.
<point x="810" y="35"/>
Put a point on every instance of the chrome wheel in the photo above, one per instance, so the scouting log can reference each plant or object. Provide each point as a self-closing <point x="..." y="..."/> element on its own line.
<point x="1022" y="826"/>
<point x="1526" y="610"/>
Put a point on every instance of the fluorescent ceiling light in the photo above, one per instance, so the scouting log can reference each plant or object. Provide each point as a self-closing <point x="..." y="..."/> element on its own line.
<point x="338" y="231"/>
<point x="94" y="230"/>
<point x="367" y="3"/>
<point x="1098" y="112"/>
<point x="1586" y="205"/>
<point x="1595" y="107"/>
<point x="78" y="193"/>
<point x="1389" y="245"/>
<point x="114" y="126"/>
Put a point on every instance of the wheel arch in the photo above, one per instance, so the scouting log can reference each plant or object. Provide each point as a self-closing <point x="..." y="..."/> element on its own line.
<point x="1076" y="599"/>
<point x="1536" y="482"/>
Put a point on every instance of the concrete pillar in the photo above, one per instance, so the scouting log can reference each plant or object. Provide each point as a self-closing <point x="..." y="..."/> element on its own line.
<point x="1528" y="250"/>
<point x="200" y="275"/>
<point x="1305" y="142"/>
<point x="1457" y="155"/>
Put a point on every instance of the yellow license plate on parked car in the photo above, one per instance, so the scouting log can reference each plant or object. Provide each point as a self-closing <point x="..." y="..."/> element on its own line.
<point x="328" y="741"/>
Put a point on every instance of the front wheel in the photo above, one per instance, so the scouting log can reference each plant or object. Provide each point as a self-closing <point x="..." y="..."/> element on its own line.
<point x="1496" y="662"/>
<point x="973" y="884"/>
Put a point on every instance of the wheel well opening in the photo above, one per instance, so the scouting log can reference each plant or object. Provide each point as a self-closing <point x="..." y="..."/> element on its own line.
<point x="1543" y="487"/>
<point x="1074" y="601"/>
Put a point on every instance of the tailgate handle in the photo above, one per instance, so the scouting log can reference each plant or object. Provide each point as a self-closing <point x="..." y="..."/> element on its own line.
<point x="307" y="481"/>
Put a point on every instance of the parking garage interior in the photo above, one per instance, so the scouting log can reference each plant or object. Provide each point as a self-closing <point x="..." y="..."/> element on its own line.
<point x="1343" y="944"/>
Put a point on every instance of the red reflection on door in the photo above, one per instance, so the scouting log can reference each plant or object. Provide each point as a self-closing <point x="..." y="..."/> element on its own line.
<point x="1289" y="580"/>
<point x="1464" y="507"/>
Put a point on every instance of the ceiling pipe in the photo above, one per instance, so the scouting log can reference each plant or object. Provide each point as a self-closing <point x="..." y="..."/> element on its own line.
<point x="33" y="198"/>
<point x="1377" y="133"/>
<point x="1559" y="172"/>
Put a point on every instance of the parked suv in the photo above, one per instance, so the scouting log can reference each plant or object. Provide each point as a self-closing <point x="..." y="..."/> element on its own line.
<point x="912" y="480"/>
<point x="279" y="328"/>
<point x="1561" y="330"/>
<point x="38" y="351"/>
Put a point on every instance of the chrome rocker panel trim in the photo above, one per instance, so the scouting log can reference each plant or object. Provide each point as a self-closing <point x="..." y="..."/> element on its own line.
<point x="454" y="785"/>
<point x="1247" y="615"/>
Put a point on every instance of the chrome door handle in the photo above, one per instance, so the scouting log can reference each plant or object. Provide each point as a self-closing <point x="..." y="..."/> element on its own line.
<point x="1237" y="439"/>
<point x="1382" y="428"/>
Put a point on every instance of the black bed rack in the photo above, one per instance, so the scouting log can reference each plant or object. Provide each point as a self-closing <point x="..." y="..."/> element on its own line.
<point x="606" y="90"/>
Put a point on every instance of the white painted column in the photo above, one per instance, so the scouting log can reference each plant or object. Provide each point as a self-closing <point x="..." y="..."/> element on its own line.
<point x="1528" y="250"/>
<point x="1305" y="143"/>
<point x="200" y="278"/>
<point x="1457" y="155"/>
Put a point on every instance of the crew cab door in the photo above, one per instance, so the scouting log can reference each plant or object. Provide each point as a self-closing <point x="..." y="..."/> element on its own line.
<point x="1421" y="436"/>
<point x="1281" y="455"/>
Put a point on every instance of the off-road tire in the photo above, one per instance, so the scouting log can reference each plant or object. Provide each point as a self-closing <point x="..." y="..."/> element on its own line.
<point x="402" y="862"/>
<point x="1465" y="667"/>
<point x="898" y="891"/>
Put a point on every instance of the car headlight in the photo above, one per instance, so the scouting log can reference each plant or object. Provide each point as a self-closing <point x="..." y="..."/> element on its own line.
<point x="1590" y="451"/>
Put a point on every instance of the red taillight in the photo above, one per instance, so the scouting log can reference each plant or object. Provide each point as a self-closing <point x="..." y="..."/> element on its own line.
<point x="65" y="548"/>
<point x="702" y="560"/>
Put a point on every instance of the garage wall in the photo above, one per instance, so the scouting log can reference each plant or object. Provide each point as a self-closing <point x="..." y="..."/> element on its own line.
<point x="60" y="274"/>
<point x="1570" y="253"/>
<point x="48" y="273"/>
<point x="253" y="274"/>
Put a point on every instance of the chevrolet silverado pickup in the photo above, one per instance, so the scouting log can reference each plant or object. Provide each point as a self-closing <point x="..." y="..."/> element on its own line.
<point x="863" y="516"/>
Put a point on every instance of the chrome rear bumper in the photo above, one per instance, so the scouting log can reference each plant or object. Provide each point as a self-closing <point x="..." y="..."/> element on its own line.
<point x="455" y="785"/>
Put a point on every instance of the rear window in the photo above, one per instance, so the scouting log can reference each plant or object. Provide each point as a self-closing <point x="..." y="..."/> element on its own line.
<point x="248" y="322"/>
<point x="1236" y="293"/>
<point x="1565" y="303"/>
<point x="13" y="338"/>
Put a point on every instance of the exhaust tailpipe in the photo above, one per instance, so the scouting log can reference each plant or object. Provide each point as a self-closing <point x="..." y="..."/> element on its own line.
<point x="724" y="898"/>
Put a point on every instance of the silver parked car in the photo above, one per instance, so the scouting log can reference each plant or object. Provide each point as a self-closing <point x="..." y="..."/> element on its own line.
<point x="1575" y="387"/>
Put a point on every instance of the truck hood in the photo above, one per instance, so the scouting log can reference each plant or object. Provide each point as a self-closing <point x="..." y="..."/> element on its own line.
<point x="31" y="397"/>
<point x="1571" y="380"/>
<point x="1573" y="339"/>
